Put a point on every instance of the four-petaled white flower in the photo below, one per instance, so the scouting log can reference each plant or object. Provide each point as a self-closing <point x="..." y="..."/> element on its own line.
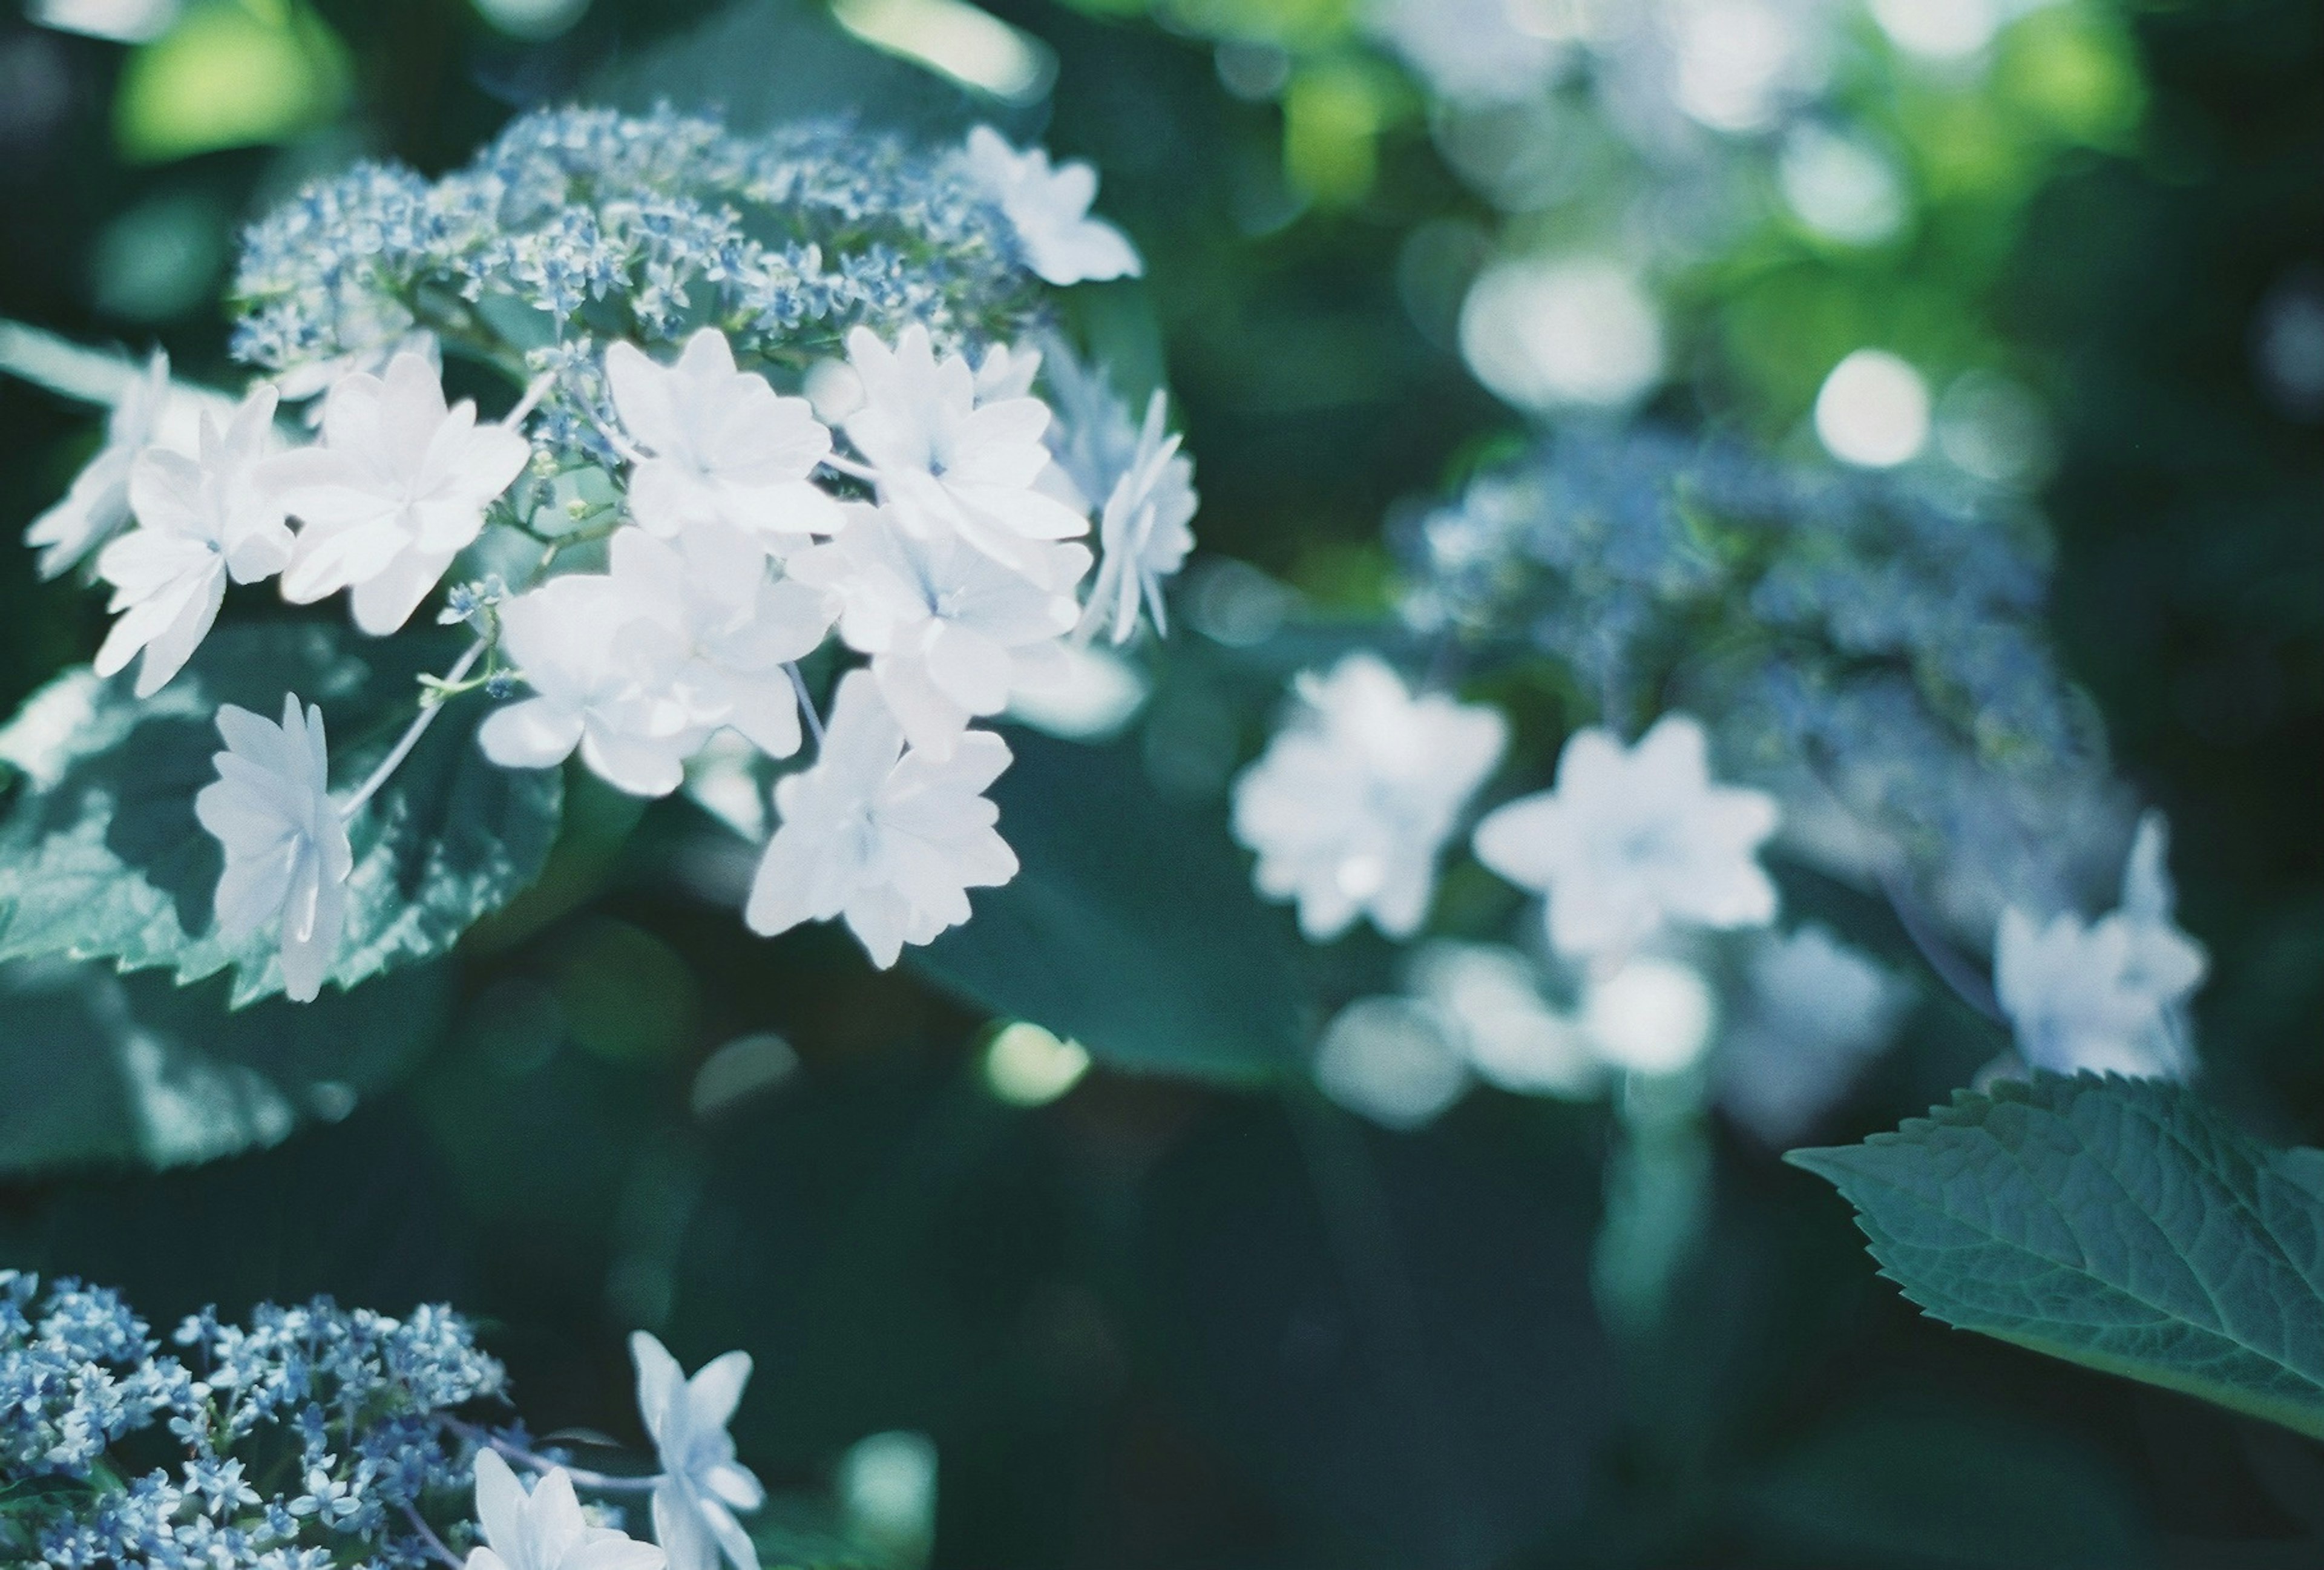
<point x="602" y="662"/>
<point x="200" y="521"/>
<point x="545" y="1529"/>
<point x="736" y="627"/>
<point x="702" y="1484"/>
<point x="1353" y="799"/>
<point x="949" y="630"/>
<point x="950" y="463"/>
<point x="891" y="840"/>
<point x="1049" y="209"/>
<point x="98" y="503"/>
<point x="1631" y="839"/>
<point x="2109" y="996"/>
<point x="720" y="445"/>
<point x="397" y="488"/>
<point x="1143" y="530"/>
<point x="286" y="849"/>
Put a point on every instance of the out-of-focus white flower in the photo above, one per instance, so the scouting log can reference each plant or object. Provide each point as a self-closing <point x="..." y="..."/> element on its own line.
<point x="200" y="521"/>
<point x="1007" y="371"/>
<point x="1555" y="333"/>
<point x="397" y="488"/>
<point x="950" y="463"/>
<point x="1511" y="1035"/>
<point x="720" y="445"/>
<point x="736" y="627"/>
<point x="545" y="1529"/>
<point x="891" y="840"/>
<point x="1815" y="1012"/>
<point x="1353" y="799"/>
<point x="1143" y="530"/>
<point x="1049" y="209"/>
<point x="1393" y="1060"/>
<point x="1091" y="434"/>
<point x="702" y="1484"/>
<point x="1631" y="839"/>
<point x="2108" y="996"/>
<point x="98" y="503"/>
<point x="948" y="628"/>
<point x="601" y="661"/>
<point x="1873" y="410"/>
<point x="1649" y="1016"/>
<point x="287" y="854"/>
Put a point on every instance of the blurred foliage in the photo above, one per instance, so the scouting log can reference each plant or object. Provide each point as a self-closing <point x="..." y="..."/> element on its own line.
<point x="1153" y="1323"/>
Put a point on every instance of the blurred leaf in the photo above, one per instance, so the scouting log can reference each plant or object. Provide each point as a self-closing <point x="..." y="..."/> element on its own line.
<point x="1131" y="928"/>
<point x="105" y="1068"/>
<point x="1896" y="1487"/>
<point x="800" y="1532"/>
<point x="232" y="73"/>
<point x="101" y="857"/>
<point x="2122" y="1225"/>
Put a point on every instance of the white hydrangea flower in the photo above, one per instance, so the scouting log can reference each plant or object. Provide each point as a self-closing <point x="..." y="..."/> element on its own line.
<point x="1354" y="797"/>
<point x="720" y="445"/>
<point x="950" y="463"/>
<point x="702" y="1484"/>
<point x="1817" y="1012"/>
<point x="891" y="840"/>
<point x="2108" y="996"/>
<point x="287" y="854"/>
<point x="1007" y="371"/>
<point x="736" y="627"/>
<point x="200" y="521"/>
<point x="1633" y="838"/>
<point x="949" y="630"/>
<point x="602" y="662"/>
<point x="98" y="503"/>
<point x="1049" y="209"/>
<point x="397" y="488"/>
<point x="546" y="1530"/>
<point x="1512" y="1036"/>
<point x="1143" y="530"/>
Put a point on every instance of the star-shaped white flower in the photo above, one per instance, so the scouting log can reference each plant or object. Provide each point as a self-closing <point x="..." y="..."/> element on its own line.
<point x="737" y="627"/>
<point x="396" y="490"/>
<point x="891" y="840"/>
<point x="1143" y="530"/>
<point x="1633" y="838"/>
<point x="98" y="503"/>
<point x="2108" y="996"/>
<point x="601" y="661"/>
<point x="948" y="629"/>
<point x="1049" y="209"/>
<point x="545" y="1529"/>
<point x="950" y="463"/>
<point x="200" y="521"/>
<point x="720" y="445"/>
<point x="286" y="849"/>
<point x="1353" y="799"/>
<point x="702" y="1484"/>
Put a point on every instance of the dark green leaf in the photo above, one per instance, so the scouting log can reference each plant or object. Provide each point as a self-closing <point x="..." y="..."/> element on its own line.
<point x="101" y="857"/>
<point x="105" y="1068"/>
<point x="2122" y="1225"/>
<point x="1132" y="926"/>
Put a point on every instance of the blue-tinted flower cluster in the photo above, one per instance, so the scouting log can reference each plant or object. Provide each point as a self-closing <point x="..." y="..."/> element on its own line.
<point x="311" y="1437"/>
<point x="1873" y="646"/>
<point x="576" y="228"/>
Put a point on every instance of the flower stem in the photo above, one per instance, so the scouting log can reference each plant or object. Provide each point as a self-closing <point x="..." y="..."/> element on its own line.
<point x="410" y="738"/>
<point x="805" y="703"/>
<point x="582" y="1476"/>
<point x="436" y="1544"/>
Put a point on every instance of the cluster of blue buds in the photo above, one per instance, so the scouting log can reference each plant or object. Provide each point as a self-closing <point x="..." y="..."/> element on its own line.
<point x="1873" y="646"/>
<point x="580" y="227"/>
<point x="313" y="1437"/>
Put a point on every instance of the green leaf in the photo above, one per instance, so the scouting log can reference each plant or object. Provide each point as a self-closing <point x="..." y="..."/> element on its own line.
<point x="104" y="1068"/>
<point x="100" y="856"/>
<point x="2122" y="1225"/>
<point x="1131" y="928"/>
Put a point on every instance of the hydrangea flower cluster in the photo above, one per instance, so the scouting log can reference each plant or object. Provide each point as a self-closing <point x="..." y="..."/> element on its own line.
<point x="1872" y="654"/>
<point x="321" y="1439"/>
<point x="343" y="1417"/>
<point x="666" y="522"/>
